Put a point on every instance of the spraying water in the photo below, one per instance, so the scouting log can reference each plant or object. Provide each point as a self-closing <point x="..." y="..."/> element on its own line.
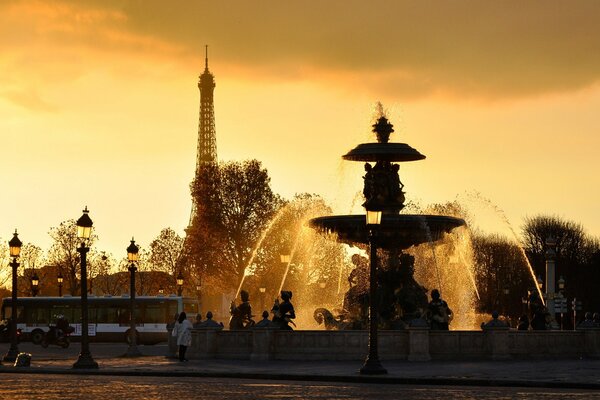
<point x="257" y="246"/>
<point x="502" y="215"/>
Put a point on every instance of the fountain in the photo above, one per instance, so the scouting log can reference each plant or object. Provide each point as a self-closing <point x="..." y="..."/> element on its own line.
<point x="400" y="298"/>
<point x="395" y="296"/>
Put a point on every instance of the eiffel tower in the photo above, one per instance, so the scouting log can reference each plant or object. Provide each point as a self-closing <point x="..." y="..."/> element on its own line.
<point x="207" y="143"/>
<point x="207" y="136"/>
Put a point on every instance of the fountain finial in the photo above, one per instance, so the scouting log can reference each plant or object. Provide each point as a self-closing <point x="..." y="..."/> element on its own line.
<point x="382" y="129"/>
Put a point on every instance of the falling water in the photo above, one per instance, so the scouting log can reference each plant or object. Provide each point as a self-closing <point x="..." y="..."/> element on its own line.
<point x="287" y="267"/>
<point x="425" y="227"/>
<point x="258" y="244"/>
<point x="502" y="215"/>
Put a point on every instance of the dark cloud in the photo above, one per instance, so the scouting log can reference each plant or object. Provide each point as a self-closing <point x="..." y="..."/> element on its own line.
<point x="462" y="48"/>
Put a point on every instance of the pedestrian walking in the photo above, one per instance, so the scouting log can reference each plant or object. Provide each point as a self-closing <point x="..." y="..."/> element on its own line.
<point x="182" y="331"/>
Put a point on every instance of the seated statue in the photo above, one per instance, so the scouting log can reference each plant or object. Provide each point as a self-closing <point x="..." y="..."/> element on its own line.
<point x="209" y="323"/>
<point x="264" y="322"/>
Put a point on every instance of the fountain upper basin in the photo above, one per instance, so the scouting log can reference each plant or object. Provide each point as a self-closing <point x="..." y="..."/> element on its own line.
<point x="397" y="231"/>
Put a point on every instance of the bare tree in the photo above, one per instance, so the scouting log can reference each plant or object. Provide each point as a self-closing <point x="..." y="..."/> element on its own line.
<point x="63" y="253"/>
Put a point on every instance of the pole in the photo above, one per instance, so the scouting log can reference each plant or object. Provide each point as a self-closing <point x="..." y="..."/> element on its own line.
<point x="60" y="290"/>
<point x="13" y="351"/>
<point x="132" y="350"/>
<point x="372" y="365"/>
<point x="550" y="280"/>
<point x="85" y="360"/>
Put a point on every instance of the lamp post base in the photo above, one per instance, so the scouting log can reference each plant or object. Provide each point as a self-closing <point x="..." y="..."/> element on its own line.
<point x="372" y="366"/>
<point x="85" y="361"/>
<point x="11" y="355"/>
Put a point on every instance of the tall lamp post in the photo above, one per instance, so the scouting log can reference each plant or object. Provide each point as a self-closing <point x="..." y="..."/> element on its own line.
<point x="179" y="284"/>
<point x="84" y="231"/>
<point x="59" y="280"/>
<point x="15" y="251"/>
<point x="35" y="281"/>
<point x="132" y="257"/>
<point x="372" y="366"/>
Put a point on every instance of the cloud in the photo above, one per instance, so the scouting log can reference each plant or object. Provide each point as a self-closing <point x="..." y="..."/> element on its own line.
<point x="487" y="50"/>
<point x="30" y="100"/>
<point x="461" y="48"/>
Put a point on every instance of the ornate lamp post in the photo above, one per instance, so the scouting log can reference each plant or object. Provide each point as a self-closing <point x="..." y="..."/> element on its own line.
<point x="179" y="284"/>
<point x="35" y="281"/>
<point x="372" y="366"/>
<point x="59" y="280"/>
<point x="132" y="257"/>
<point x="84" y="231"/>
<point x="15" y="251"/>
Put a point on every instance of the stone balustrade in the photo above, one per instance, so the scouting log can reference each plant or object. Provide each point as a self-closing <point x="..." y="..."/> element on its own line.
<point x="413" y="344"/>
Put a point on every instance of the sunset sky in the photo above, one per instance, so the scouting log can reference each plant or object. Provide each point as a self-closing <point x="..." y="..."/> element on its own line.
<point x="99" y="105"/>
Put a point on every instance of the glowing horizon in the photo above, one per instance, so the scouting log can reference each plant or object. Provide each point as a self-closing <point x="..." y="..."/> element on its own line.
<point x="99" y="106"/>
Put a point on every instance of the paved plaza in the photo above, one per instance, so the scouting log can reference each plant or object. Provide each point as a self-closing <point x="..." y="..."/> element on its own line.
<point x="156" y="362"/>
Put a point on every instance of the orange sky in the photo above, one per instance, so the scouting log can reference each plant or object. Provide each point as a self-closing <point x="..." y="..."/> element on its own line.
<point x="99" y="105"/>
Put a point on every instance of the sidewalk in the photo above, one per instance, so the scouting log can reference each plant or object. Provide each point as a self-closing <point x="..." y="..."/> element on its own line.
<point x="574" y="374"/>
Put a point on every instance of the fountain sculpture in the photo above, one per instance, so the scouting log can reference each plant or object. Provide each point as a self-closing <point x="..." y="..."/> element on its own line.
<point x="400" y="298"/>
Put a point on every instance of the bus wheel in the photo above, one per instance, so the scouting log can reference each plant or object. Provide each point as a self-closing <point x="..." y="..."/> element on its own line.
<point x="37" y="336"/>
<point x="128" y="337"/>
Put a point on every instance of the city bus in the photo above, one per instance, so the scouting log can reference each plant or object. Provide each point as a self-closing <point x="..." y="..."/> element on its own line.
<point x="108" y="316"/>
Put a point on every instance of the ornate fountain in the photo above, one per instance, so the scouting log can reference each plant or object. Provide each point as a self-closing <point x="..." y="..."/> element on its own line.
<point x="399" y="297"/>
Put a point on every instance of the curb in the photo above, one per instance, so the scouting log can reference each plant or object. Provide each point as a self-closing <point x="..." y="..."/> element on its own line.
<point x="471" y="382"/>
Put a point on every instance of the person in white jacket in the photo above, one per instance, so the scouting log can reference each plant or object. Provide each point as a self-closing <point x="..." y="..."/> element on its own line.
<point x="182" y="330"/>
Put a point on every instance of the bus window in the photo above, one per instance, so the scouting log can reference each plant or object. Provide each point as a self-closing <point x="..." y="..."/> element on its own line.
<point x="20" y="315"/>
<point x="123" y="316"/>
<point x="107" y="315"/>
<point x="155" y="314"/>
<point x="37" y="316"/>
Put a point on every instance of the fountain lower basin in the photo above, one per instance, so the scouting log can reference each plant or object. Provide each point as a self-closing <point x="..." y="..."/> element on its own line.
<point x="399" y="231"/>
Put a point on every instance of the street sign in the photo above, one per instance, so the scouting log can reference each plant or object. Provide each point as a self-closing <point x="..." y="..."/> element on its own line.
<point x="560" y="305"/>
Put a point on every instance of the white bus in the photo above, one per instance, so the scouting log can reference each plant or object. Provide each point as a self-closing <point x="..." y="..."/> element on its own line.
<point x="108" y="317"/>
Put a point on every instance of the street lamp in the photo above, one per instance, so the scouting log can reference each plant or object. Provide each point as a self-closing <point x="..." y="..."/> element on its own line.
<point x="540" y="283"/>
<point x="262" y="291"/>
<point x="84" y="231"/>
<point x="35" y="281"/>
<point x="322" y="284"/>
<point x="14" y="246"/>
<point x="506" y="291"/>
<point x="132" y="257"/>
<point x="372" y="366"/>
<point x="179" y="284"/>
<point x="161" y="291"/>
<point x="561" y="283"/>
<point x="59" y="279"/>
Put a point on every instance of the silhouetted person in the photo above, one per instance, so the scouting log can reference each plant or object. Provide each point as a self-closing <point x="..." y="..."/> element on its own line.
<point x="587" y="322"/>
<point x="538" y="312"/>
<point x="198" y="322"/>
<point x="264" y="322"/>
<point x="439" y="314"/>
<point x="209" y="323"/>
<point x="523" y="323"/>
<point x="183" y="332"/>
